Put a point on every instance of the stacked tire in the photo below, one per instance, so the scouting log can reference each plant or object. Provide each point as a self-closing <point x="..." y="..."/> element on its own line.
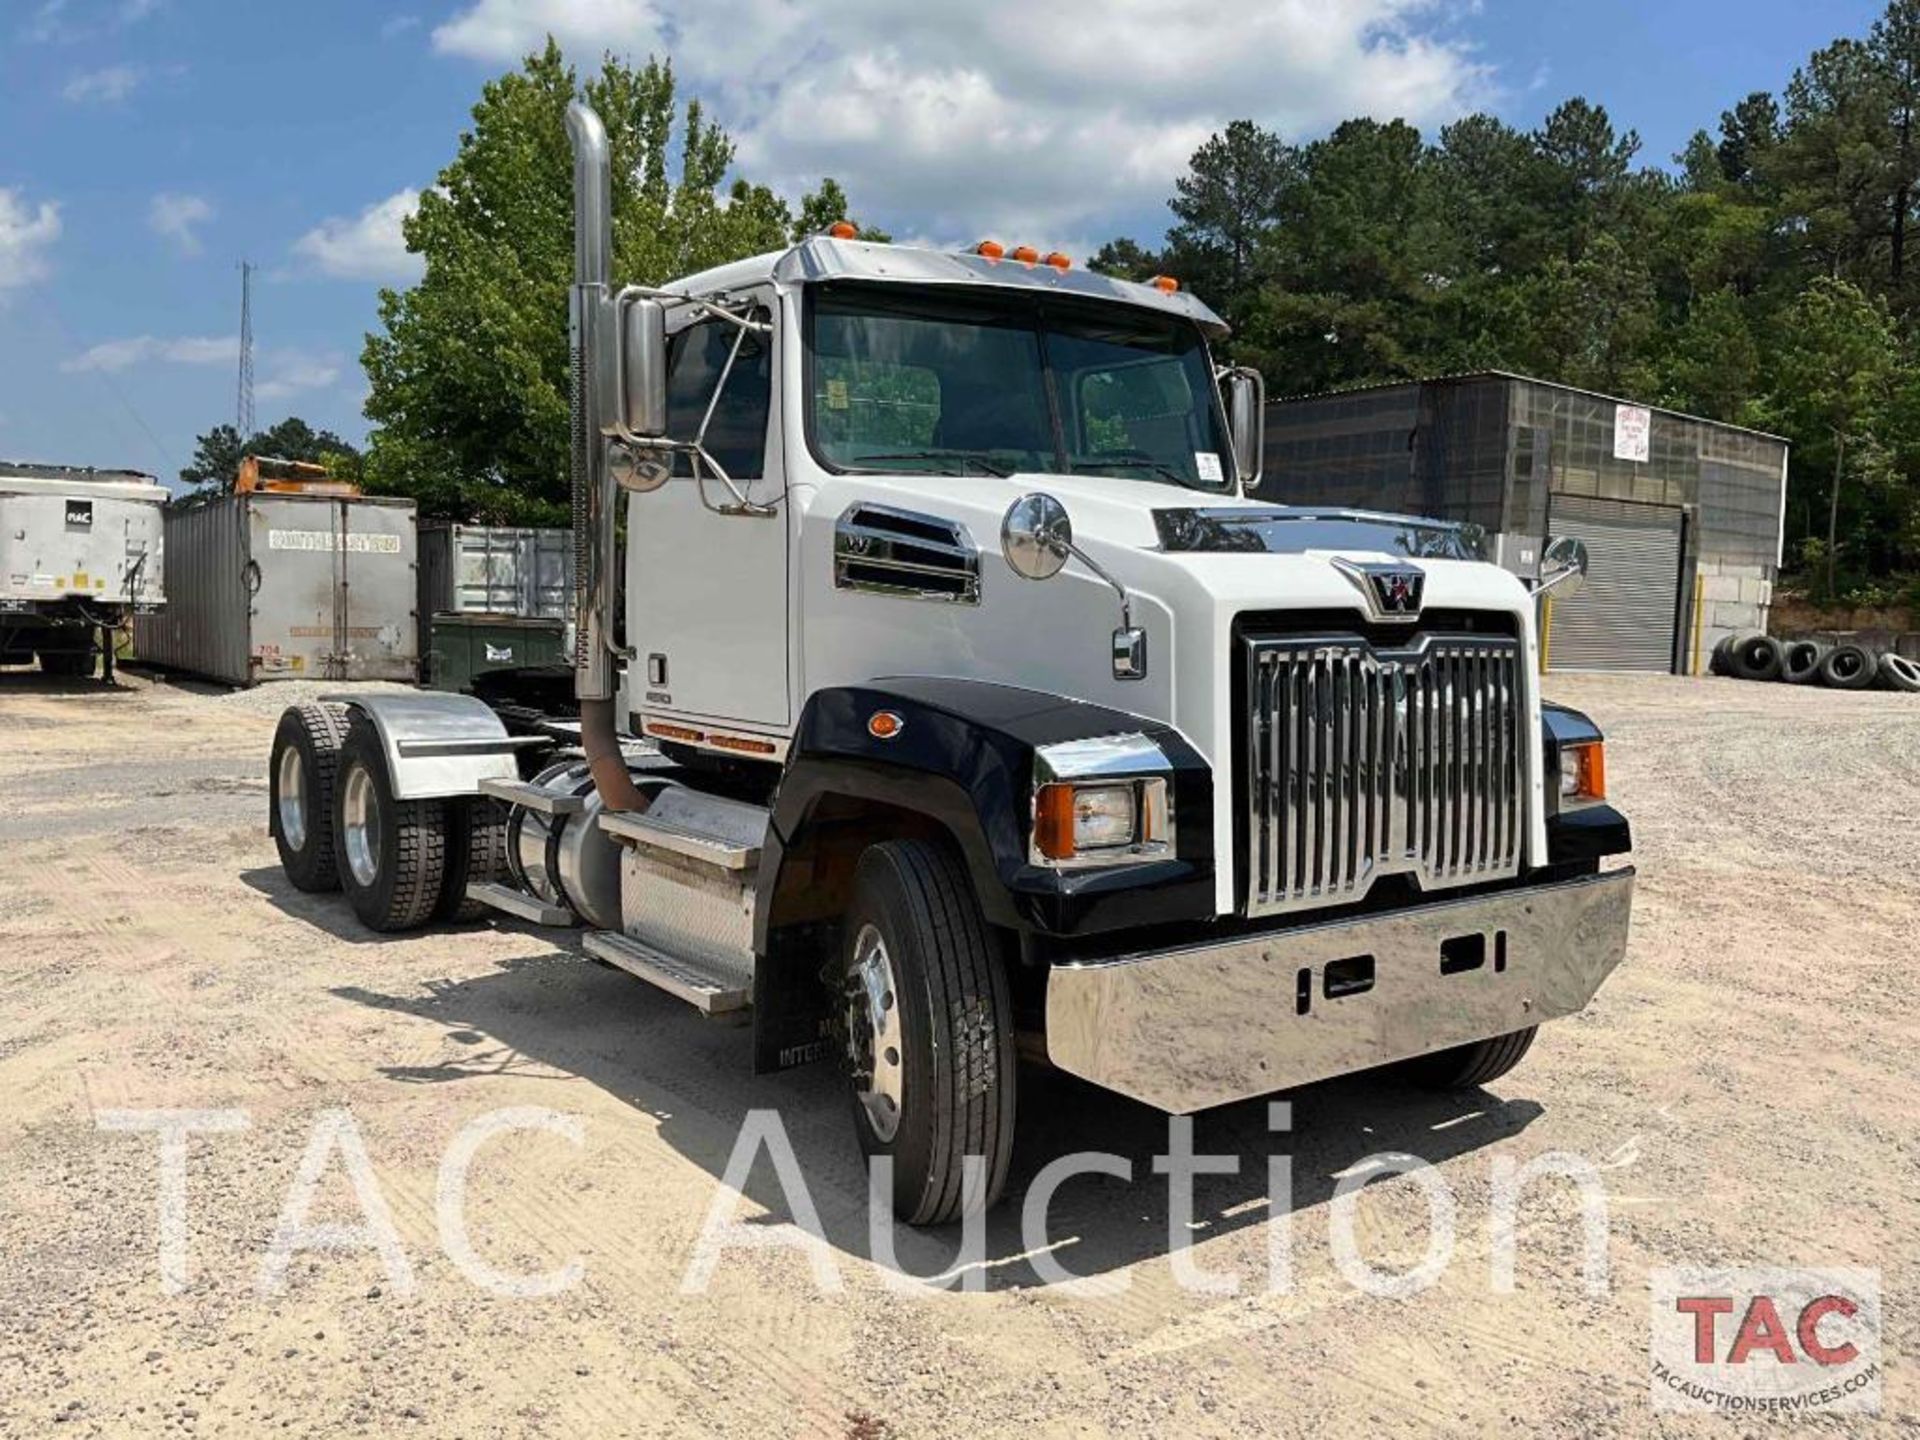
<point x="1842" y="666"/>
<point x="338" y="825"/>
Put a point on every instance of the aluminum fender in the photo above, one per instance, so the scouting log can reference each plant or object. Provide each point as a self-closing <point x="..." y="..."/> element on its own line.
<point x="438" y="745"/>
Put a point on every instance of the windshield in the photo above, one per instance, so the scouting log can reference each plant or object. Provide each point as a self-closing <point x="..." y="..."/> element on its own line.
<point x="908" y="379"/>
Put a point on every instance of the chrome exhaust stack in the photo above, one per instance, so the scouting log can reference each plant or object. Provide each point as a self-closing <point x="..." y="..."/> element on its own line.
<point x="591" y="329"/>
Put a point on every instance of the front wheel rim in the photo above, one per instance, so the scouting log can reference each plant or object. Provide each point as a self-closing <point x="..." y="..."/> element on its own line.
<point x="360" y="826"/>
<point x="875" y="1057"/>
<point x="293" y="799"/>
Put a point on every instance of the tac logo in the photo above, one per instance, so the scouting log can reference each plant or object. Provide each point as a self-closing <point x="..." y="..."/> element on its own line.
<point x="1766" y="1341"/>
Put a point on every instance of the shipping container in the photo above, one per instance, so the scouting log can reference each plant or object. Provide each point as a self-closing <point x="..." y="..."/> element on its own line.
<point x="494" y="570"/>
<point x="283" y="587"/>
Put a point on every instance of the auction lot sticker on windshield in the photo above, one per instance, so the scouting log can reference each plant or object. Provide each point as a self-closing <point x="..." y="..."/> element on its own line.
<point x="328" y="541"/>
<point x="1209" y="465"/>
<point x="1766" y="1341"/>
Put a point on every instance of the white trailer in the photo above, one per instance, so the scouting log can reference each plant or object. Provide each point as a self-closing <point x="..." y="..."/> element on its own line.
<point x="1194" y="796"/>
<point x="81" y="551"/>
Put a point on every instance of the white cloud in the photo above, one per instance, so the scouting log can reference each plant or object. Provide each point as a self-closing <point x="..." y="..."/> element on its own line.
<point x="173" y="217"/>
<point x="1035" y="122"/>
<point x="27" y="231"/>
<point x="283" y="371"/>
<point x="288" y="372"/>
<point x="495" y="30"/>
<point x="114" y="355"/>
<point x="107" y="86"/>
<point x="368" y="246"/>
<point x="399" y="25"/>
<point x="55" y="22"/>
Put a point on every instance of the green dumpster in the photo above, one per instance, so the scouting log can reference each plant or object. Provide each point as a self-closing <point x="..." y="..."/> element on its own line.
<point x="460" y="647"/>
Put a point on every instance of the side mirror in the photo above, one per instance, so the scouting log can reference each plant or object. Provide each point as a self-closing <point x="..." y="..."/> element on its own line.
<point x="643" y="367"/>
<point x="1036" y="536"/>
<point x="1563" y="566"/>
<point x="1246" y="396"/>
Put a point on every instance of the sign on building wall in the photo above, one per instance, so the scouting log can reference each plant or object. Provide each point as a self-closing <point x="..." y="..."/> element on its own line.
<point x="1632" y="432"/>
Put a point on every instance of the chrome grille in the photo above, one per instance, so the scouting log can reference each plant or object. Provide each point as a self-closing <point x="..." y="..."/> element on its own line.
<point x="1364" y="762"/>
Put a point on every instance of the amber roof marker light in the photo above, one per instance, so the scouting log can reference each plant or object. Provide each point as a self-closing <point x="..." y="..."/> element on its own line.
<point x="990" y="250"/>
<point x="1058" y="260"/>
<point x="1165" y="284"/>
<point x="844" y="230"/>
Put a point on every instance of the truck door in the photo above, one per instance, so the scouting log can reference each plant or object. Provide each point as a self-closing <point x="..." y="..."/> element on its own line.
<point x="707" y="591"/>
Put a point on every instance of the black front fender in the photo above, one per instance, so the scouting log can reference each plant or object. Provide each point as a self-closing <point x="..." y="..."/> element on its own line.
<point x="962" y="757"/>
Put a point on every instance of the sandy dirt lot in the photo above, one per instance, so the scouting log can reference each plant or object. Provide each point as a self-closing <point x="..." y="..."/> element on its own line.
<point x="1748" y="1083"/>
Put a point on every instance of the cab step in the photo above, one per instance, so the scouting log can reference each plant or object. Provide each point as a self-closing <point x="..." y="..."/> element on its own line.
<point x="710" y="987"/>
<point x="707" y="829"/>
<point x="519" y="904"/>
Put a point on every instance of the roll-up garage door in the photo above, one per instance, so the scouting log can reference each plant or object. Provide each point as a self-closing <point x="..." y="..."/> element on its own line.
<point x="1623" y="618"/>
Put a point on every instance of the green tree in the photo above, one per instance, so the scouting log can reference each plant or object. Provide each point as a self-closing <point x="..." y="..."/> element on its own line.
<point x="1836" y="365"/>
<point x="218" y="453"/>
<point x="1225" y="203"/>
<point x="1125" y="259"/>
<point x="469" y="374"/>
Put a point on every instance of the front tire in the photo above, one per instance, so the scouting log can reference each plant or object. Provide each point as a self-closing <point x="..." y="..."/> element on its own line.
<point x="1467" y="1067"/>
<point x="300" y="772"/>
<point x="929" y="1031"/>
<point x="391" y="854"/>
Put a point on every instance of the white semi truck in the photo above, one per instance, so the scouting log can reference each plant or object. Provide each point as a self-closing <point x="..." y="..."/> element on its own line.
<point x="1195" y="797"/>
<point x="80" y="552"/>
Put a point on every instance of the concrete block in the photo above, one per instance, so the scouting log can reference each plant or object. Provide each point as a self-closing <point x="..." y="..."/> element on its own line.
<point x="1721" y="587"/>
<point x="1733" y="615"/>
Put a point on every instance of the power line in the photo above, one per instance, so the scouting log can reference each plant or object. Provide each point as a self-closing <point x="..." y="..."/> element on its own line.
<point x="243" y="398"/>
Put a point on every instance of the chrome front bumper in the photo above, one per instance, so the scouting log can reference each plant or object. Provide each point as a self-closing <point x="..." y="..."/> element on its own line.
<point x="1203" y="1025"/>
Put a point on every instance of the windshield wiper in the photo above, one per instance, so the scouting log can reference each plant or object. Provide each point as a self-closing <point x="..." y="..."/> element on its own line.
<point x="1163" y="470"/>
<point x="961" y="457"/>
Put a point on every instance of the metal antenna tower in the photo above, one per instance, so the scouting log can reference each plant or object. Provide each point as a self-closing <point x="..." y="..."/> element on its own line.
<point x="243" y="398"/>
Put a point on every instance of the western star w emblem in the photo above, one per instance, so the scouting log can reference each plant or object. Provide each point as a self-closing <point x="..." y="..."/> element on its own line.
<point x="1398" y="591"/>
<point x="1393" y="592"/>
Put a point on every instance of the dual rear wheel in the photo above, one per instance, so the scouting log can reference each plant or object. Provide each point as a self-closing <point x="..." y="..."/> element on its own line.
<point x="338" y="825"/>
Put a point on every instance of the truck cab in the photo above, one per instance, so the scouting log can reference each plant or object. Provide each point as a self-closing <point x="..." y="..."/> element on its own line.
<point x="961" y="703"/>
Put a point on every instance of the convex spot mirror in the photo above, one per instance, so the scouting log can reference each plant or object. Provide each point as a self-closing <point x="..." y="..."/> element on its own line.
<point x="1563" y="566"/>
<point x="1036" y="536"/>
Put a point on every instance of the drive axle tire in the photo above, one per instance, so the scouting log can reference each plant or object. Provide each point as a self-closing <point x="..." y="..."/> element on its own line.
<point x="1849" y="667"/>
<point x="1899" y="673"/>
<point x="391" y="853"/>
<point x="1800" y="661"/>
<point x="1466" y="1067"/>
<point x="306" y="754"/>
<point x="1755" y="657"/>
<point x="476" y="852"/>
<point x="928" y="1030"/>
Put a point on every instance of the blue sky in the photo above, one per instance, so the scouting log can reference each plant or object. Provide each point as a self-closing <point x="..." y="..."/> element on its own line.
<point x="146" y="146"/>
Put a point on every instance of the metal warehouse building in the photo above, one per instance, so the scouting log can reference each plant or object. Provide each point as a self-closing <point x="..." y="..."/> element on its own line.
<point x="1682" y="516"/>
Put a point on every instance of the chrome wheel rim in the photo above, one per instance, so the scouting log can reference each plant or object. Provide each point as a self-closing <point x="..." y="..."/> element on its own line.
<point x="293" y="799"/>
<point x="874" y="1051"/>
<point x="360" y="826"/>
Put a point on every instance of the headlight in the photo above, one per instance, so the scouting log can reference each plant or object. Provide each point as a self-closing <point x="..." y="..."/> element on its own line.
<point x="1100" y="801"/>
<point x="1583" y="774"/>
<point x="1105" y="821"/>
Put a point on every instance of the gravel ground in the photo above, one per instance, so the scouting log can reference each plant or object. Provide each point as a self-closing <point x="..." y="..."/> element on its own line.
<point x="1748" y="1083"/>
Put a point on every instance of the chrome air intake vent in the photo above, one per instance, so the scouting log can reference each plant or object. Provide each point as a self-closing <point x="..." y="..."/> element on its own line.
<point x="885" y="551"/>
<point x="1362" y="762"/>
